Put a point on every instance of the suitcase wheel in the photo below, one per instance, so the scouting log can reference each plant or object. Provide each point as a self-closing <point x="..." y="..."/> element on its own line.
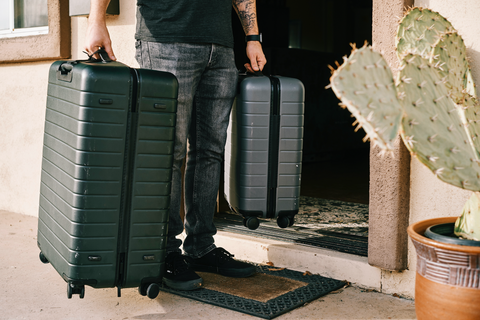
<point x="74" y="289"/>
<point x="284" y="222"/>
<point x="142" y="290"/>
<point x="43" y="258"/>
<point x="151" y="290"/>
<point x="292" y="221"/>
<point x="251" y="223"/>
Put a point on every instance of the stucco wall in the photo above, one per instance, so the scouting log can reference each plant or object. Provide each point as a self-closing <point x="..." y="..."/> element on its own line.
<point x="22" y="105"/>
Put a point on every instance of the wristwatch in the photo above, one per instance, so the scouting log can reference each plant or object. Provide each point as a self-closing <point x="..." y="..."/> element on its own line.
<point x="254" y="37"/>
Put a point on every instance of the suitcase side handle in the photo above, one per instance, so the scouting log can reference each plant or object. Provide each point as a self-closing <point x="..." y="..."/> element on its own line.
<point x="64" y="72"/>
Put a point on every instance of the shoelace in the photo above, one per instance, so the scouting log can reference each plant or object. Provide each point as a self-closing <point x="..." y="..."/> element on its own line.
<point x="222" y="255"/>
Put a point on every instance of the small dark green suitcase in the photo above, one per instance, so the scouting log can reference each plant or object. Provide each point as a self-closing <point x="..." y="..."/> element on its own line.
<point x="106" y="174"/>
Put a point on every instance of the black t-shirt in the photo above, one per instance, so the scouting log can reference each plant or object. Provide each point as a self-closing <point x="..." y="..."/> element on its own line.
<point x="197" y="21"/>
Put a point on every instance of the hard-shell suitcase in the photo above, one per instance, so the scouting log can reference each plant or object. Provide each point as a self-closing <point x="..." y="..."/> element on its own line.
<point x="263" y="155"/>
<point x="106" y="174"/>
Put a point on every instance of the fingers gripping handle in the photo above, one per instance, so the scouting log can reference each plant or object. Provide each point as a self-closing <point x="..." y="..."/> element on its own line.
<point x="103" y="56"/>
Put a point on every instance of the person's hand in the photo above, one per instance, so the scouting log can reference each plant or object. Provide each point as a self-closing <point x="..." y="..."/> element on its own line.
<point x="256" y="56"/>
<point x="98" y="37"/>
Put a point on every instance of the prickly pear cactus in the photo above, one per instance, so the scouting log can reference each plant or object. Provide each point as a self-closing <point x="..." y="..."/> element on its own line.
<point x="433" y="103"/>
<point x="468" y="225"/>
<point x="366" y="87"/>
<point x="419" y="30"/>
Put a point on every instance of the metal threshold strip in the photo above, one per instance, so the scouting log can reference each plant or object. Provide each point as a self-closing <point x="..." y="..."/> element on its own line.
<point x="347" y="243"/>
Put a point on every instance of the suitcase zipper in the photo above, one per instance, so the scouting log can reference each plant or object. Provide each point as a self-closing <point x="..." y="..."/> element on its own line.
<point x="127" y="188"/>
<point x="273" y="147"/>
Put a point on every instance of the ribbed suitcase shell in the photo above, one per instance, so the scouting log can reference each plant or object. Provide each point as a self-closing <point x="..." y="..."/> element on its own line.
<point x="106" y="173"/>
<point x="263" y="156"/>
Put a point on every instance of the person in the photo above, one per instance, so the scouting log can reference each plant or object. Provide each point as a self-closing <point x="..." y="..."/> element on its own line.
<point x="192" y="39"/>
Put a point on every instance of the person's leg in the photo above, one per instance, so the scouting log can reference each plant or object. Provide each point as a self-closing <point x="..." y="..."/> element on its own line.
<point x="208" y="133"/>
<point x="187" y="63"/>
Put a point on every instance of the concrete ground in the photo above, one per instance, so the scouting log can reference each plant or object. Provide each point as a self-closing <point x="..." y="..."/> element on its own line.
<point x="32" y="290"/>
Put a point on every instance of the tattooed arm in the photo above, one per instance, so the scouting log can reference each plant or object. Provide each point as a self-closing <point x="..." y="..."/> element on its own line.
<point x="247" y="12"/>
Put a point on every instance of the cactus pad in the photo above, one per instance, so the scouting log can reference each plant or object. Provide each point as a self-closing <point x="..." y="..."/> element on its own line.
<point x="450" y="55"/>
<point x="434" y="127"/>
<point x="419" y="30"/>
<point x="366" y="87"/>
<point x="468" y="224"/>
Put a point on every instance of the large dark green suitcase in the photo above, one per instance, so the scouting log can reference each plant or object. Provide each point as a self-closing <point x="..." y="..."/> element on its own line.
<point x="106" y="174"/>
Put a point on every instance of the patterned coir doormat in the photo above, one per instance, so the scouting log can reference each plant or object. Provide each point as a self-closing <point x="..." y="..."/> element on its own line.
<point x="268" y="294"/>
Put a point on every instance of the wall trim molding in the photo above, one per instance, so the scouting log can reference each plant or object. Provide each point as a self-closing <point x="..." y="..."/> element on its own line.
<point x="389" y="203"/>
<point x="52" y="46"/>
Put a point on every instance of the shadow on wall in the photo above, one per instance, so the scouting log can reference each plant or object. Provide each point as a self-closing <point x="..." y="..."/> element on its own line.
<point x="474" y="57"/>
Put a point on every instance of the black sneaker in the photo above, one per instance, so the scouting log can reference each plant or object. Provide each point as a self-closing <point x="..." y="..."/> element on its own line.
<point x="221" y="261"/>
<point x="178" y="275"/>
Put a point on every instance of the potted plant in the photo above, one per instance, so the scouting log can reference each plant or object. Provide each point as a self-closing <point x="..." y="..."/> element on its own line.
<point x="433" y="106"/>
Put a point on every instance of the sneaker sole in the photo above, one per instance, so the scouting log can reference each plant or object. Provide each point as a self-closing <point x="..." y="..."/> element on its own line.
<point x="184" y="285"/>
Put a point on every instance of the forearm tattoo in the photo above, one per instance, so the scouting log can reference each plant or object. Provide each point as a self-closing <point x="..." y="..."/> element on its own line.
<point x="246" y="11"/>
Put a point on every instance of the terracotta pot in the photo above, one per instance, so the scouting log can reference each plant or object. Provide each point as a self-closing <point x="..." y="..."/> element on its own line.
<point x="447" y="284"/>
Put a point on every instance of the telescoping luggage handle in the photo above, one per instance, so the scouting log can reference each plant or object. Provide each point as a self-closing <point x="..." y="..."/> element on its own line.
<point x="64" y="72"/>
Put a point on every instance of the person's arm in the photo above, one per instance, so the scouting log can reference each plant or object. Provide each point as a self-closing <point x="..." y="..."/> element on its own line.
<point x="247" y="12"/>
<point x="97" y="33"/>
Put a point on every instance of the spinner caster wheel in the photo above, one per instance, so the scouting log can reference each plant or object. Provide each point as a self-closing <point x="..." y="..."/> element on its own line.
<point x="283" y="222"/>
<point x="143" y="290"/>
<point x="153" y="290"/>
<point x="43" y="258"/>
<point x="292" y="221"/>
<point x="251" y="223"/>
<point x="74" y="289"/>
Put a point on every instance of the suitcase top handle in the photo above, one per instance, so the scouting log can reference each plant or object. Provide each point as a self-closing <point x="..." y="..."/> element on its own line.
<point x="256" y="73"/>
<point x="64" y="72"/>
<point x="102" y="54"/>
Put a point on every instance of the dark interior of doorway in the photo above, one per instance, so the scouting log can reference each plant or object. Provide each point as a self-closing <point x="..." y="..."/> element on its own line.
<point x="301" y="38"/>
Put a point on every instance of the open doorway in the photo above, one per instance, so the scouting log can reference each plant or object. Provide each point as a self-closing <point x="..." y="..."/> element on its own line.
<point x="301" y="38"/>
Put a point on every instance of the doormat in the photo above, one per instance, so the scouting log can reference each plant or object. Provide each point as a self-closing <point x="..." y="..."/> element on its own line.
<point x="268" y="294"/>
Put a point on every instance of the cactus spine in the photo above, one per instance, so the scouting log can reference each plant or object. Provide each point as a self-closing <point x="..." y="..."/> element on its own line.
<point x="432" y="104"/>
<point x="419" y="30"/>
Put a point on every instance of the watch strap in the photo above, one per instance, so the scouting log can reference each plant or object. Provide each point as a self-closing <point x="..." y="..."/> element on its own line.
<point x="254" y="37"/>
